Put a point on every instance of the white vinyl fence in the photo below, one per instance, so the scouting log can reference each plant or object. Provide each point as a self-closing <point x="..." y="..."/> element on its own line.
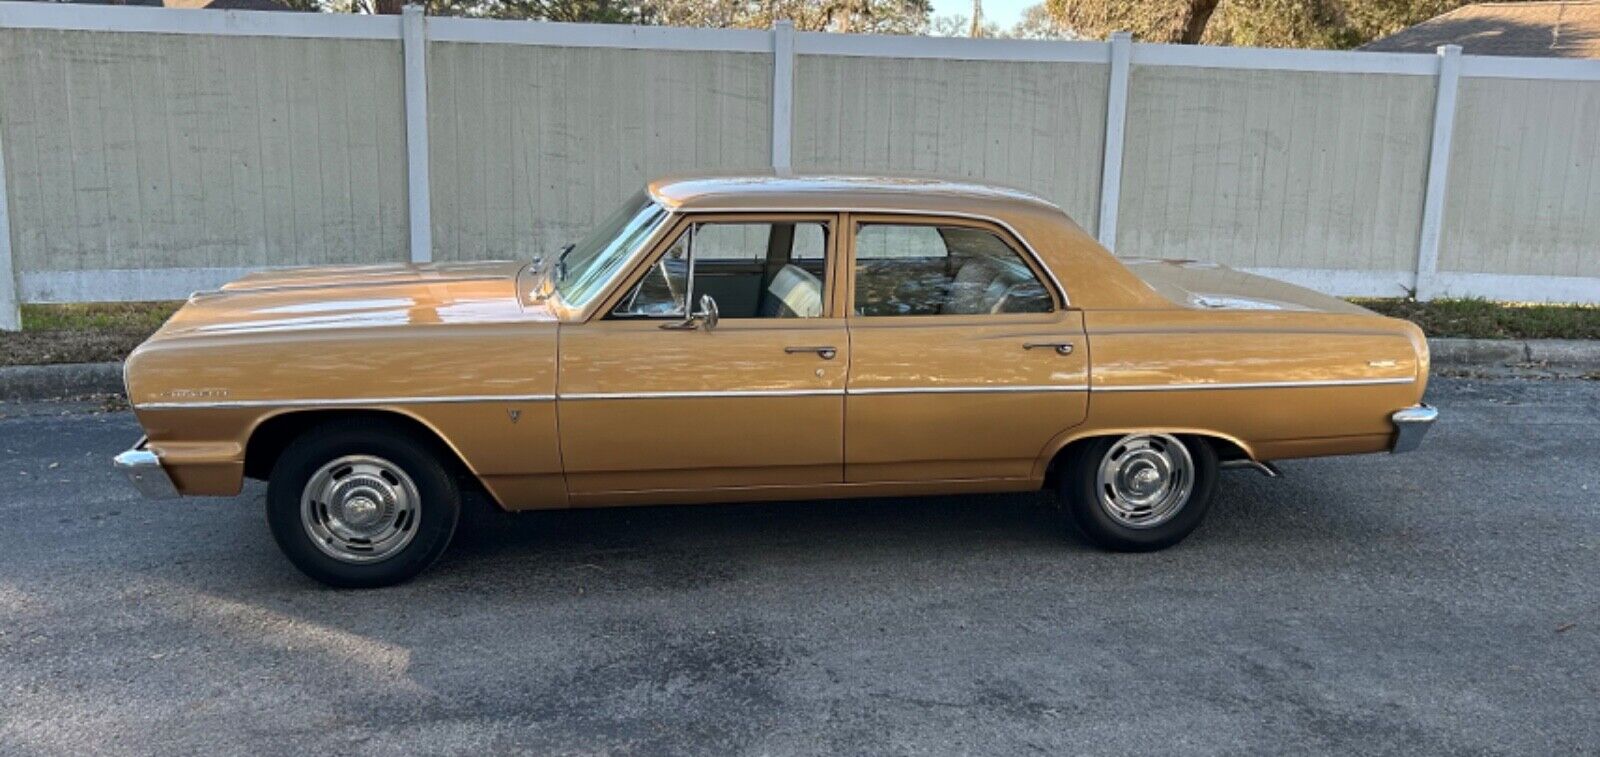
<point x="147" y="152"/>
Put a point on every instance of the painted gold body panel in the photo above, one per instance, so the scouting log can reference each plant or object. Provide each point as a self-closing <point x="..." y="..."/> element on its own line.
<point x="551" y="406"/>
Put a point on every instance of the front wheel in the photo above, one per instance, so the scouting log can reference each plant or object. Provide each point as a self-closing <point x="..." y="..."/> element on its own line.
<point x="1139" y="492"/>
<point x="361" y="507"/>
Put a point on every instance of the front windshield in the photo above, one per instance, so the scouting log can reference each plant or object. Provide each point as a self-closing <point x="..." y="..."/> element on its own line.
<point x="584" y="269"/>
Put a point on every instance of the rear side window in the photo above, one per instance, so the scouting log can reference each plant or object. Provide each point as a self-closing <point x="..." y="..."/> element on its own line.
<point x="926" y="269"/>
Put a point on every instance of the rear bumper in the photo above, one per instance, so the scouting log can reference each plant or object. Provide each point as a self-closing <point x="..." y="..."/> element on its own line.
<point x="1410" y="425"/>
<point x="144" y="471"/>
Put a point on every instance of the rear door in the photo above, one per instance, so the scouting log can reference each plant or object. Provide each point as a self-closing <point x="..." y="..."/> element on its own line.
<point x="965" y="359"/>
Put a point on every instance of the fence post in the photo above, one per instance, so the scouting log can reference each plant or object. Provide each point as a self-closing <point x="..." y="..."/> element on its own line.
<point x="782" y="93"/>
<point x="414" y="43"/>
<point x="10" y="310"/>
<point x="1444" y="123"/>
<point x="1116" y="123"/>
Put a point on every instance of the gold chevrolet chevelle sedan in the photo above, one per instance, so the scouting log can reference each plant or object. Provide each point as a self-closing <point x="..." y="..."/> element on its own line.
<point x="759" y="337"/>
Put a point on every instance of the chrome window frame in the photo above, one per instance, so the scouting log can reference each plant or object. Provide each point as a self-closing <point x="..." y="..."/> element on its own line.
<point x="566" y="313"/>
<point x="1027" y="247"/>
<point x="688" y="289"/>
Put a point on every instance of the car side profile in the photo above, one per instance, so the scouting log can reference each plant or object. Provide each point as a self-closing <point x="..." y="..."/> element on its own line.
<point x="797" y="336"/>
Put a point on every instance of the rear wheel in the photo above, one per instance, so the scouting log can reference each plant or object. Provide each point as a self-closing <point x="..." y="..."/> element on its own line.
<point x="361" y="506"/>
<point x="1139" y="492"/>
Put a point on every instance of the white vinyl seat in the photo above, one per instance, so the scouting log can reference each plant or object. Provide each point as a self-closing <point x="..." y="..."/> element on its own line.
<point x="794" y="293"/>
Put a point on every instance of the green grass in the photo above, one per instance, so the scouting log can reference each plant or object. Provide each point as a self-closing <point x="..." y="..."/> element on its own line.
<point x="143" y="317"/>
<point x="1483" y="319"/>
<point x="86" y="333"/>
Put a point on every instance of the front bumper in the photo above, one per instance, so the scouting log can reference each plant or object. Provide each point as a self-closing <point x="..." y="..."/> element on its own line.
<point x="1410" y="425"/>
<point x="144" y="470"/>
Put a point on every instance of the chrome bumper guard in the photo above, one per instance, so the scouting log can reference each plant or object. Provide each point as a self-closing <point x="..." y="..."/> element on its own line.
<point x="144" y="469"/>
<point x="1410" y="425"/>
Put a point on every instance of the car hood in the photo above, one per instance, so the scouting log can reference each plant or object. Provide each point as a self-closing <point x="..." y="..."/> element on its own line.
<point x="342" y="297"/>
<point x="1209" y="286"/>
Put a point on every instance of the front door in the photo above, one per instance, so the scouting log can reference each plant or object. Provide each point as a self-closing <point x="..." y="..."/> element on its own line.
<point x="650" y="399"/>
<point x="964" y="362"/>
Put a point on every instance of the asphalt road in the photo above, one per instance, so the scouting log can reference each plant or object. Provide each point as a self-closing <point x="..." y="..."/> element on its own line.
<point x="1446" y="601"/>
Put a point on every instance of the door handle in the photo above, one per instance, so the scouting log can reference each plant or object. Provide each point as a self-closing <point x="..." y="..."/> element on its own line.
<point x="1061" y="348"/>
<point x="826" y="353"/>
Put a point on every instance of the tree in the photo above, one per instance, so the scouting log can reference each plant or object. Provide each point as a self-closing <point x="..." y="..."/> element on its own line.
<point x="595" y="11"/>
<point x="1259" y="23"/>
<point x="1037" y="23"/>
<point x="858" y="16"/>
<point x="1149" y="20"/>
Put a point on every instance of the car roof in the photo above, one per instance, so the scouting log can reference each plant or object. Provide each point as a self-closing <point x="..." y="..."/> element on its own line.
<point x="771" y="190"/>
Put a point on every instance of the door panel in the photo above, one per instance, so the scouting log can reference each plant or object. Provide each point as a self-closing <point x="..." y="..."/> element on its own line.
<point x="960" y="397"/>
<point x="645" y="408"/>
<point x="964" y="364"/>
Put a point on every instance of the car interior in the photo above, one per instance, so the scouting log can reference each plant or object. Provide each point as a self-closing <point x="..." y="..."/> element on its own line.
<point x="777" y="270"/>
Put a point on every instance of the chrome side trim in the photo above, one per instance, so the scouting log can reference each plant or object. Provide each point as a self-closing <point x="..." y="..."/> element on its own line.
<point x="963" y="389"/>
<point x="370" y="401"/>
<point x="1251" y="385"/>
<point x="347" y="402"/>
<point x="700" y="395"/>
<point x="367" y="402"/>
<point x="214" y="293"/>
<point x="1410" y="425"/>
<point x="144" y="471"/>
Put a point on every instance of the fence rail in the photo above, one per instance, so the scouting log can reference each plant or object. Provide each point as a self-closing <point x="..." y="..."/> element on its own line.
<point x="147" y="152"/>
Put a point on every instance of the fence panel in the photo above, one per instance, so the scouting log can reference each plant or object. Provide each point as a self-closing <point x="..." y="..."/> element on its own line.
<point x="166" y="151"/>
<point x="531" y="145"/>
<point x="1274" y="168"/>
<point x="1035" y="125"/>
<point x="1524" y="190"/>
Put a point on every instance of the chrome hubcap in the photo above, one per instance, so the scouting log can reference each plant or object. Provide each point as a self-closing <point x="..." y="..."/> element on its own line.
<point x="1145" y="479"/>
<point x="360" y="509"/>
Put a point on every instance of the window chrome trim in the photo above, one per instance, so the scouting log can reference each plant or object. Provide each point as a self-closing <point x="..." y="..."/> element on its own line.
<point x="1066" y="302"/>
<point x="351" y="402"/>
<point x="1251" y="385"/>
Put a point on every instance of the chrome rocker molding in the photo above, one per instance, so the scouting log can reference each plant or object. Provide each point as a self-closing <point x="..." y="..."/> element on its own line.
<point x="144" y="470"/>
<point x="1410" y="425"/>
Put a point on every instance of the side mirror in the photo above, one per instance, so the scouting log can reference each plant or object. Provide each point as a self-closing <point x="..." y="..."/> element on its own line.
<point x="707" y="315"/>
<point x="708" y="311"/>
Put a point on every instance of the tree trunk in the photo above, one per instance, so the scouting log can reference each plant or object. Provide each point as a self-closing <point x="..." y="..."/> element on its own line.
<point x="1195" y="26"/>
<point x="387" y="7"/>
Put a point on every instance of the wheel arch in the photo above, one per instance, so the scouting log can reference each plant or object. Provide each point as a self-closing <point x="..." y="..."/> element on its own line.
<point x="1227" y="446"/>
<point x="273" y="432"/>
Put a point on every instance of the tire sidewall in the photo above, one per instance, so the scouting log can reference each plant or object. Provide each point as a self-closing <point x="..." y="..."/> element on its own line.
<point x="1082" y="499"/>
<point x="437" y="516"/>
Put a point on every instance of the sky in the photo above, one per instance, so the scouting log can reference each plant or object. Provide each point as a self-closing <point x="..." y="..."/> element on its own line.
<point x="1004" y="13"/>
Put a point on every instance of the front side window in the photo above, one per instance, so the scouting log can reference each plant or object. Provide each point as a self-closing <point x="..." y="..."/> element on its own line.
<point x="583" y="270"/>
<point x="751" y="270"/>
<point x="926" y="269"/>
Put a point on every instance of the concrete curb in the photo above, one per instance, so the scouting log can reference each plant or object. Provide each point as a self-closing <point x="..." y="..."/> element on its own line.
<point x="25" y="383"/>
<point x="1567" y="353"/>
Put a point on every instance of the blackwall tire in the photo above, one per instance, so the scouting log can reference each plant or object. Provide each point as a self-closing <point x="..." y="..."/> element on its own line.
<point x="361" y="506"/>
<point x="1139" y="492"/>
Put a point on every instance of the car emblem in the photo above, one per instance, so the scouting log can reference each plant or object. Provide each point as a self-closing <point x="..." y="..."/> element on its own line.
<point x="514" y="415"/>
